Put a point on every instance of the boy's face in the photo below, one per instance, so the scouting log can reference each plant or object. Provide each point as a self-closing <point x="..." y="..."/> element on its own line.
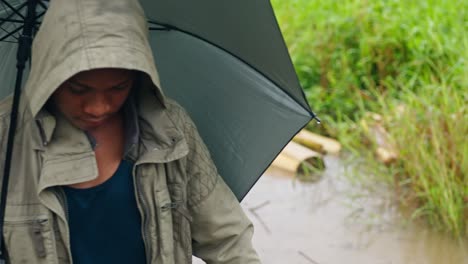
<point x="91" y="98"/>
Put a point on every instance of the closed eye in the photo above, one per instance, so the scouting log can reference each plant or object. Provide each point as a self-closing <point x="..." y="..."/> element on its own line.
<point x="122" y="86"/>
<point x="78" y="90"/>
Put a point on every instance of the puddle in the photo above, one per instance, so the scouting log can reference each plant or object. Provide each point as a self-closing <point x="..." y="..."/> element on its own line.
<point x="331" y="222"/>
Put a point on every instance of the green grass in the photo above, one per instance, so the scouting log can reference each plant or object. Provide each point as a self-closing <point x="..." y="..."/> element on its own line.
<point x="383" y="56"/>
<point x="431" y="136"/>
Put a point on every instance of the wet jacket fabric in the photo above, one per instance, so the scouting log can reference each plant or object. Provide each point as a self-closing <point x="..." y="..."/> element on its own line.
<point x="185" y="206"/>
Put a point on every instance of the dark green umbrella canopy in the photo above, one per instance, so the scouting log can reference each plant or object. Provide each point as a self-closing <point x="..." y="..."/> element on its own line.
<point x="225" y="62"/>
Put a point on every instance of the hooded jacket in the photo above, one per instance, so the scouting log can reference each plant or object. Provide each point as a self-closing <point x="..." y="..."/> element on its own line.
<point x="185" y="206"/>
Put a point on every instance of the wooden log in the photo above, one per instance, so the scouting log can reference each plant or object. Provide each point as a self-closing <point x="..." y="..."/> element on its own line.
<point x="299" y="160"/>
<point x="386" y="156"/>
<point x="386" y="152"/>
<point x="318" y="143"/>
<point x="375" y="131"/>
<point x="299" y="152"/>
<point x="310" y="144"/>
<point x="286" y="163"/>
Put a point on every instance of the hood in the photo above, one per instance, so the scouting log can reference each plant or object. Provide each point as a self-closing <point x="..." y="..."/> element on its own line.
<point x="80" y="35"/>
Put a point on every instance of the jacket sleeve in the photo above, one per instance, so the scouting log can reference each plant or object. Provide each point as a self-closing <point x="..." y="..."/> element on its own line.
<point x="221" y="232"/>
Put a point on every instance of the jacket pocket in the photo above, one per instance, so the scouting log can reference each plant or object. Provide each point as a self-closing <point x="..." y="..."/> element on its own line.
<point x="30" y="241"/>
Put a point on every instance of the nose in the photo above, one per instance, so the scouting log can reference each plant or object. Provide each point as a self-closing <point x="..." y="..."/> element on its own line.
<point x="98" y="106"/>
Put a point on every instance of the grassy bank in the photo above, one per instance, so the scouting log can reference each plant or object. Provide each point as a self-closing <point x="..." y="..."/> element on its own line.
<point x="405" y="60"/>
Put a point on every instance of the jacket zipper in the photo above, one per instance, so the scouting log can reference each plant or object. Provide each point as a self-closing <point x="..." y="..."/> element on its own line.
<point x="63" y="200"/>
<point x="144" y="214"/>
<point x="42" y="133"/>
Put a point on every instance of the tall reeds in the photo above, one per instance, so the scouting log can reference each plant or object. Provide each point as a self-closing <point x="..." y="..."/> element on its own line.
<point x="405" y="60"/>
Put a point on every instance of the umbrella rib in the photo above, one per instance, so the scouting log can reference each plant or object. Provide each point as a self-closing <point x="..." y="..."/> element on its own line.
<point x="12" y="8"/>
<point x="11" y="34"/>
<point x="4" y="30"/>
<point x="4" y="8"/>
<point x="2" y="21"/>
<point x="8" y="18"/>
<point x="11" y="20"/>
<point x="162" y="25"/>
<point x="8" y="41"/>
<point x="15" y="11"/>
<point x="41" y="3"/>
<point x="6" y="36"/>
<point x="40" y="15"/>
<point x="159" y="28"/>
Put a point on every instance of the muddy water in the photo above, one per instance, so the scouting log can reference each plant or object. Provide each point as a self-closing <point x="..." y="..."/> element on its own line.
<point x="333" y="222"/>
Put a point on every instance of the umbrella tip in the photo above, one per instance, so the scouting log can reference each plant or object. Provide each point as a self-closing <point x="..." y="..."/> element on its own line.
<point x="317" y="120"/>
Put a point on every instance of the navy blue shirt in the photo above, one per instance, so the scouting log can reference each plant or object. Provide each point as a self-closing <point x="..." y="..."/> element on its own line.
<point x="105" y="224"/>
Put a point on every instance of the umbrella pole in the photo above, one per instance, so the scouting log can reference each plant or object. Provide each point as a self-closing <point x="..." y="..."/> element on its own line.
<point x="23" y="53"/>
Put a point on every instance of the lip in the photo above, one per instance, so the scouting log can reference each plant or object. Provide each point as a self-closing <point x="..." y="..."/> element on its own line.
<point x="94" y="122"/>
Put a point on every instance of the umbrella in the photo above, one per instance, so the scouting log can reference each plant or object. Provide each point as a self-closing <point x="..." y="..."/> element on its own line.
<point x="238" y="85"/>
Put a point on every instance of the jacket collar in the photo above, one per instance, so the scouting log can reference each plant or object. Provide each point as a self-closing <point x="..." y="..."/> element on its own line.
<point x="161" y="140"/>
<point x="67" y="154"/>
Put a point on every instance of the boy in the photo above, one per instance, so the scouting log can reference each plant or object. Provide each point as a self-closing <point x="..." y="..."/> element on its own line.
<point x="106" y="169"/>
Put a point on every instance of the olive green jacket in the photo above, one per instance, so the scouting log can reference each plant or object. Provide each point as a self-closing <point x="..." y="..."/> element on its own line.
<point x="186" y="207"/>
